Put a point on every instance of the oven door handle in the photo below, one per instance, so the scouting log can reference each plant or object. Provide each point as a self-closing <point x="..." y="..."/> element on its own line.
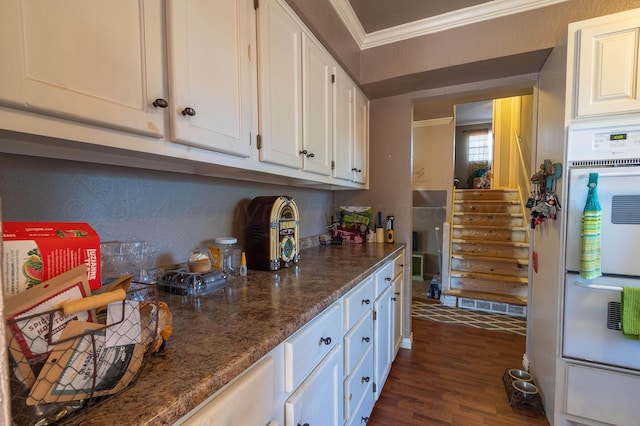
<point x="615" y="174"/>
<point x="598" y="287"/>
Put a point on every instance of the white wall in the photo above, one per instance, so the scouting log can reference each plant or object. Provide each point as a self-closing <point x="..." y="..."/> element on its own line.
<point x="546" y="285"/>
<point x="176" y="212"/>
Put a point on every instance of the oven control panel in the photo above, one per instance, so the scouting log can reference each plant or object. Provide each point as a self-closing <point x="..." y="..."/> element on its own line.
<point x="605" y="143"/>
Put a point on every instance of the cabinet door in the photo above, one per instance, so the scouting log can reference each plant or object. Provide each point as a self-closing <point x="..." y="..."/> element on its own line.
<point x="318" y="400"/>
<point x="396" y="306"/>
<point x="382" y="335"/>
<point x="230" y="407"/>
<point x="209" y="74"/>
<point x="69" y="59"/>
<point x="398" y="301"/>
<point x="280" y="79"/>
<point x="361" y="138"/>
<point x="608" y="72"/>
<point x="343" y="149"/>
<point x="317" y="74"/>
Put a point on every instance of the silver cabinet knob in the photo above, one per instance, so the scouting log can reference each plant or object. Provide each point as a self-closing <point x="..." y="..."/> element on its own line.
<point x="160" y="103"/>
<point x="188" y="111"/>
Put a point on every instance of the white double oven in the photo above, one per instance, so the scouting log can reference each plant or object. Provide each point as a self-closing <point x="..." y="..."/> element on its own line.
<point x="592" y="307"/>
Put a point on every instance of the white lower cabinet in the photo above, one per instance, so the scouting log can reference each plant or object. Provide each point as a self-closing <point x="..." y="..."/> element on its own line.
<point x="358" y="388"/>
<point x="382" y="339"/>
<point x="358" y="351"/>
<point x="317" y="401"/>
<point x="258" y="384"/>
<point x="330" y="372"/>
<point x="398" y="302"/>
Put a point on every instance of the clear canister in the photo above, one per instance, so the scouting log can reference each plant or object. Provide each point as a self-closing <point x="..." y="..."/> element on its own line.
<point x="230" y="254"/>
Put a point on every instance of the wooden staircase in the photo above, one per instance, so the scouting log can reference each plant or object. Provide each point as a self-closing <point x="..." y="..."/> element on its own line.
<point x="489" y="262"/>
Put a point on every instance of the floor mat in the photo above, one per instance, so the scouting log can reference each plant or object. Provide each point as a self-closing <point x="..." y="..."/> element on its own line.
<point x="451" y="315"/>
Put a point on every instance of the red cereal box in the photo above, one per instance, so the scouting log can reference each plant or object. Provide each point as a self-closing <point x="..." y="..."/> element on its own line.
<point x="34" y="252"/>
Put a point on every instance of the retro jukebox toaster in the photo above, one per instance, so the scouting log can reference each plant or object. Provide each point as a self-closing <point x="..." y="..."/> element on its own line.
<point x="272" y="233"/>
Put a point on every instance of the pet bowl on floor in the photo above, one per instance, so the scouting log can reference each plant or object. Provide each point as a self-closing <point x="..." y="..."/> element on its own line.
<point x="527" y="388"/>
<point x="520" y="375"/>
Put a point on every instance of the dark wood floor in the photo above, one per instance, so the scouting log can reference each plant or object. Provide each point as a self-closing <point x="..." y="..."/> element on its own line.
<point x="453" y="376"/>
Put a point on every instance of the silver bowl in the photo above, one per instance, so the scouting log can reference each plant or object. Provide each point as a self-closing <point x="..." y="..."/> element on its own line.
<point x="526" y="388"/>
<point x="522" y="375"/>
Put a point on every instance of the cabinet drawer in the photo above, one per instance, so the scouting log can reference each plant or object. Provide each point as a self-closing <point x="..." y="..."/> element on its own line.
<point x="398" y="264"/>
<point x="358" y="386"/>
<point x="602" y="395"/>
<point x="357" y="302"/>
<point x="383" y="277"/>
<point x="357" y="341"/>
<point x="305" y="349"/>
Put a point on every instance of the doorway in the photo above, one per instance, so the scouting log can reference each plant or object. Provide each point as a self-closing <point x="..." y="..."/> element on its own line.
<point x="500" y="156"/>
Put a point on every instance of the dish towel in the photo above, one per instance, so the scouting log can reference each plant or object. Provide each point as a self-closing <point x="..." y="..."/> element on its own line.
<point x="590" y="233"/>
<point x="630" y="312"/>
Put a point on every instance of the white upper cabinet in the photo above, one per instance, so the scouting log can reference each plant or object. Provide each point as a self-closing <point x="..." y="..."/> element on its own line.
<point x="209" y="74"/>
<point x="318" y="74"/>
<point x="102" y="63"/>
<point x="351" y="137"/>
<point x="280" y="79"/>
<point x="343" y="141"/>
<point x="98" y="62"/>
<point x="361" y="138"/>
<point x="296" y="93"/>
<point x="608" y="74"/>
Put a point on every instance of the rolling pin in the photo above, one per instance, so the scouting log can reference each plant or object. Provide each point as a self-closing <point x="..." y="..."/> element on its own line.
<point x="70" y="307"/>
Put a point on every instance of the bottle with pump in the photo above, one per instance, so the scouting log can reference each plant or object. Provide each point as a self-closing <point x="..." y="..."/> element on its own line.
<point x="389" y="232"/>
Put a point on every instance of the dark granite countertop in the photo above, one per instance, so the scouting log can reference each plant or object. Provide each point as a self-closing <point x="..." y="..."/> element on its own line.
<point x="216" y="337"/>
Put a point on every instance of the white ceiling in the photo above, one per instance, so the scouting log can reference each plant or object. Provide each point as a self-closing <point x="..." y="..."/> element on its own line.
<point x="402" y="19"/>
<point x="474" y="113"/>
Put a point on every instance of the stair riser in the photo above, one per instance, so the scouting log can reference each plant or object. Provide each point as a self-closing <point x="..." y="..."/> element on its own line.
<point x="488" y="249"/>
<point x="488" y="220"/>
<point x="496" y="234"/>
<point x="479" y="207"/>
<point x="490" y="267"/>
<point x="497" y="287"/>
<point x="487" y="195"/>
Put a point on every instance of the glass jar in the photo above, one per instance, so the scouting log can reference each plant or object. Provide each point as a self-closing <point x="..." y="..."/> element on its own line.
<point x="230" y="255"/>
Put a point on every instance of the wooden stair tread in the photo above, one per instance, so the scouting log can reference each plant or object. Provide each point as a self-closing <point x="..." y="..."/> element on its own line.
<point x="492" y="297"/>
<point x="474" y="256"/>
<point x="499" y="214"/>
<point x="496" y="242"/>
<point x="512" y="228"/>
<point x="485" y="276"/>
<point x="480" y="200"/>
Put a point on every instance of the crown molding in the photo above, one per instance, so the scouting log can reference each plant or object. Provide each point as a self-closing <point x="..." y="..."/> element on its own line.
<point x="457" y="18"/>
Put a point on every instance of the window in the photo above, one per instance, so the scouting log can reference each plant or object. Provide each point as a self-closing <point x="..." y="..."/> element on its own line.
<point x="479" y="146"/>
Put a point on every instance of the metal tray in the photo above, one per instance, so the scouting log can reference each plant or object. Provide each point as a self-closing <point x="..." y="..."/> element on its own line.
<point x="192" y="284"/>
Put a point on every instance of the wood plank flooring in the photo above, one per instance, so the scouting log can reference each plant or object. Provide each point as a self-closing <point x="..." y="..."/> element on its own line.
<point x="453" y="376"/>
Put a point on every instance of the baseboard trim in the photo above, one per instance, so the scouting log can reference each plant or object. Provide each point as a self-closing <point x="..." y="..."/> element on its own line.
<point x="407" y="342"/>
